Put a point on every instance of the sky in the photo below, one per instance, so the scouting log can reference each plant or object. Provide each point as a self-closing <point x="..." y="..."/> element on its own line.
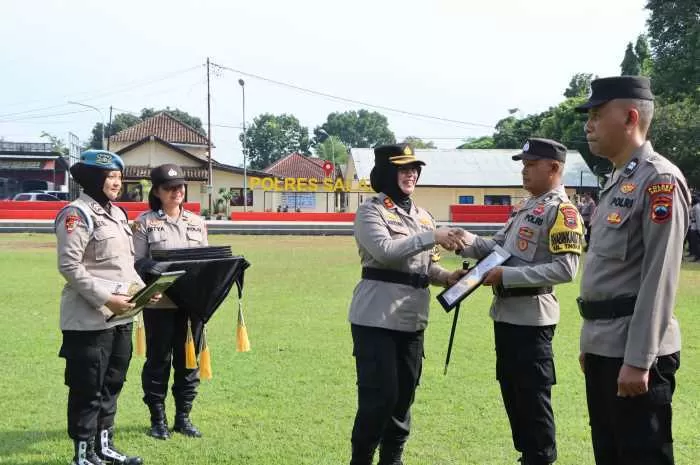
<point x="465" y="61"/>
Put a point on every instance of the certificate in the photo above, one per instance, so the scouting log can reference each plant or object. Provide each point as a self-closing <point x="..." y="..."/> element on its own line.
<point x="453" y="295"/>
<point x="142" y="297"/>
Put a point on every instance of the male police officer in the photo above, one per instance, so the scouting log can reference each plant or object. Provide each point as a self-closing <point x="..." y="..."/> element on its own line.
<point x="630" y="341"/>
<point x="545" y="238"/>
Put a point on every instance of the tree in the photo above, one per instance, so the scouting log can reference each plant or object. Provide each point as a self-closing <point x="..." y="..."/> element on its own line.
<point x="272" y="137"/>
<point x="675" y="132"/>
<point x="630" y="65"/>
<point x="641" y="49"/>
<point x="674" y="30"/>
<point x="123" y="121"/>
<point x="358" y="129"/>
<point x="484" y="142"/>
<point x="332" y="149"/>
<point x="57" y="145"/>
<point x="579" y="86"/>
<point x="418" y="143"/>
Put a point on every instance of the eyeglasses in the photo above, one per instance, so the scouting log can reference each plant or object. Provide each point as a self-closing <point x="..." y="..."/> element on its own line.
<point x="173" y="188"/>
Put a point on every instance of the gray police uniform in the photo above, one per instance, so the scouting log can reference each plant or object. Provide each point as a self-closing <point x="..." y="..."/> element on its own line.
<point x="166" y="326"/>
<point x="628" y="292"/>
<point x="389" y="312"/>
<point x="96" y="257"/>
<point x="545" y="239"/>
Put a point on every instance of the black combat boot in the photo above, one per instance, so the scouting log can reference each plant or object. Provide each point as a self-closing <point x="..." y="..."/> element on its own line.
<point x="183" y="425"/>
<point x="85" y="454"/>
<point x="104" y="444"/>
<point x="361" y="456"/>
<point x="159" y="424"/>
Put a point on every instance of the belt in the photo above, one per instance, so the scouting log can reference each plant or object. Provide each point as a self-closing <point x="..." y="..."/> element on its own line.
<point x="606" y="309"/>
<point x="500" y="291"/>
<point x="417" y="280"/>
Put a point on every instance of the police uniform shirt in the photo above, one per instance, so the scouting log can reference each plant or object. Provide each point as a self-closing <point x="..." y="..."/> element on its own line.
<point x="545" y="240"/>
<point x="389" y="238"/>
<point x="154" y="230"/>
<point x="635" y="250"/>
<point x="94" y="262"/>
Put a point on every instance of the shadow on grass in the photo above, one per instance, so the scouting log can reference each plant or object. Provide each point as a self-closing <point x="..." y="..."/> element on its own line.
<point x="16" y="443"/>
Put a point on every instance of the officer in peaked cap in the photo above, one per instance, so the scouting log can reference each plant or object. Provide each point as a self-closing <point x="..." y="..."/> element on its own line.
<point x="389" y="311"/>
<point x="630" y="340"/>
<point x="168" y="225"/>
<point x="544" y="238"/>
<point x="96" y="258"/>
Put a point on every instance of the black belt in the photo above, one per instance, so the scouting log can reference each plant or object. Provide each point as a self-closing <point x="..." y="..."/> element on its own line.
<point x="417" y="280"/>
<point x="501" y="291"/>
<point x="606" y="309"/>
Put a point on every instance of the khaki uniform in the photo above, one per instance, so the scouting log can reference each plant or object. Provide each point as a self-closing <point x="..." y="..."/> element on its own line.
<point x="389" y="238"/>
<point x="544" y="237"/>
<point x="94" y="263"/>
<point x="636" y="250"/>
<point x="154" y="230"/>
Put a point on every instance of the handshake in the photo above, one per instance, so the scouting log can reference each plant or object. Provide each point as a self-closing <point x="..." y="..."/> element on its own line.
<point x="453" y="238"/>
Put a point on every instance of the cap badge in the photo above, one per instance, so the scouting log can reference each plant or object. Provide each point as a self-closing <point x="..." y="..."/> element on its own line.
<point x="103" y="159"/>
<point x="526" y="147"/>
<point x="407" y="151"/>
<point x="172" y="172"/>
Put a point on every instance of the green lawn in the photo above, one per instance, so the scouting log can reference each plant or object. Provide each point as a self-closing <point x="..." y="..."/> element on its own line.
<point x="291" y="400"/>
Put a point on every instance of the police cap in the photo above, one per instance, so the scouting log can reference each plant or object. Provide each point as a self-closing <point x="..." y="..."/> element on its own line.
<point x="605" y="89"/>
<point x="537" y="149"/>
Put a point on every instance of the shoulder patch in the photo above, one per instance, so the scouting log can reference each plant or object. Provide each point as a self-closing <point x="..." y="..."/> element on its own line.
<point x="71" y="221"/>
<point x="388" y="203"/>
<point x="660" y="201"/>
<point x="566" y="235"/>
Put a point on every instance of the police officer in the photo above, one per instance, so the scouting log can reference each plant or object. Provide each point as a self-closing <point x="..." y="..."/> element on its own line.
<point x="630" y="340"/>
<point x="545" y="239"/>
<point x="389" y="311"/>
<point x="168" y="225"/>
<point x="96" y="257"/>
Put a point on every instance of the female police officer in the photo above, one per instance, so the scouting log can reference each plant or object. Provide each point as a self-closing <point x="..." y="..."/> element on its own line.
<point x="96" y="257"/>
<point x="389" y="308"/>
<point x="167" y="225"/>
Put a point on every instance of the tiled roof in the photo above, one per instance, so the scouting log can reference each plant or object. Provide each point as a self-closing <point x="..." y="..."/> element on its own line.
<point x="297" y="165"/>
<point x="164" y="126"/>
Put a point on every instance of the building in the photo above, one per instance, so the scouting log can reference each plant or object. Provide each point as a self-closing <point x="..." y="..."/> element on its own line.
<point x="480" y="177"/>
<point x="30" y="166"/>
<point x="164" y="139"/>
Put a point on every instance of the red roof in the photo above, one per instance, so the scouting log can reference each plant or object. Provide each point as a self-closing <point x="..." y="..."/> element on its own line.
<point x="164" y="126"/>
<point x="297" y="165"/>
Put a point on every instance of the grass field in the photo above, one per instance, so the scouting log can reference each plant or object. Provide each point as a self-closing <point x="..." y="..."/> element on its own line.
<point x="291" y="400"/>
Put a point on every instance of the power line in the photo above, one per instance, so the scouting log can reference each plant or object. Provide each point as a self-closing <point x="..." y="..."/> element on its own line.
<point x="81" y="95"/>
<point x="42" y="116"/>
<point x="356" y="102"/>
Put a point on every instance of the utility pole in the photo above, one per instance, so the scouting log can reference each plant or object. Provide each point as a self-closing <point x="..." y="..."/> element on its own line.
<point x="109" y="131"/>
<point x="209" y="180"/>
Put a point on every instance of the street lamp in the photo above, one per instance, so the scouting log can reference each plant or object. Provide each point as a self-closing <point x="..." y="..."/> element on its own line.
<point x="324" y="136"/>
<point x="102" y="140"/>
<point x="241" y="82"/>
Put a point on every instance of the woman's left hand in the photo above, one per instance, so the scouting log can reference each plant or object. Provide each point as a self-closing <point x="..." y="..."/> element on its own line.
<point x="455" y="276"/>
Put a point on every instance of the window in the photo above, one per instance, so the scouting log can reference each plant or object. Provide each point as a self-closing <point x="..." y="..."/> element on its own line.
<point x="23" y="197"/>
<point x="466" y="199"/>
<point x="497" y="200"/>
<point x="237" y="197"/>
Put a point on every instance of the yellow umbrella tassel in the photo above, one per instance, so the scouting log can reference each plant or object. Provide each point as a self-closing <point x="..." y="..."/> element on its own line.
<point x="204" y="358"/>
<point x="190" y="356"/>
<point x="140" y="337"/>
<point x="242" y="342"/>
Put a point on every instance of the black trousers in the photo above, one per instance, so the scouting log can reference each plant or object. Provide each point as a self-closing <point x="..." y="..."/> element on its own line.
<point x="587" y="231"/>
<point x="630" y="430"/>
<point x="389" y="365"/>
<point x="96" y="366"/>
<point x="525" y="371"/>
<point x="166" y="332"/>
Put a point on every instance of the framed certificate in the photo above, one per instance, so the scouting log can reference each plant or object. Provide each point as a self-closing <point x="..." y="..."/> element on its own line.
<point x="142" y="297"/>
<point x="459" y="291"/>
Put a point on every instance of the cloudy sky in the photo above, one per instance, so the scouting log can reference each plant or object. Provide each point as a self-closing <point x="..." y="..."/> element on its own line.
<point x="465" y="61"/>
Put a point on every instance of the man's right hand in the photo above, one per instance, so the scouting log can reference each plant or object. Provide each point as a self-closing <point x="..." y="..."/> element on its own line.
<point x="119" y="304"/>
<point x="451" y="238"/>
